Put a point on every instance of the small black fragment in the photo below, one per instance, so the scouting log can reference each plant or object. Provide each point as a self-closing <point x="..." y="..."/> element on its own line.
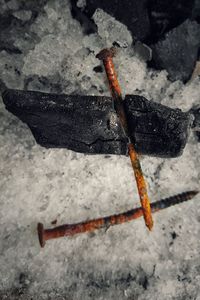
<point x="22" y="279"/>
<point x="119" y="44"/>
<point x="98" y="69"/>
<point x="196" y="123"/>
<point x="173" y="235"/>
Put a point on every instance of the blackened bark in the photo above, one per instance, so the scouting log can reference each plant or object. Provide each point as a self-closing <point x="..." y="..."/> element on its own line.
<point x="89" y="124"/>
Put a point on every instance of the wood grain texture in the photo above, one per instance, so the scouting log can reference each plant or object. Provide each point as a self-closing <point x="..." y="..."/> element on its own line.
<point x="89" y="124"/>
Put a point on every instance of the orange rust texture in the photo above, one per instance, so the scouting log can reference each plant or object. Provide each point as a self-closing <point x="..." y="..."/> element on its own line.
<point x="70" y="230"/>
<point x="115" y="90"/>
<point x="116" y="93"/>
<point x="88" y="226"/>
<point x="112" y="77"/>
<point x="141" y="185"/>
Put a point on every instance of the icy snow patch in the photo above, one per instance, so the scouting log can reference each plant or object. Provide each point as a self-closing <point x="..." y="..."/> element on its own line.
<point x="111" y="30"/>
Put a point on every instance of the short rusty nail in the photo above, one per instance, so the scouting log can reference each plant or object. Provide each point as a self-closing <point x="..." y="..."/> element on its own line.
<point x="89" y="226"/>
<point x="106" y="56"/>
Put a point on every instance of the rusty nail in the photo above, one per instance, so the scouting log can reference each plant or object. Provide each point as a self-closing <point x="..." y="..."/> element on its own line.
<point x="106" y="55"/>
<point x="89" y="226"/>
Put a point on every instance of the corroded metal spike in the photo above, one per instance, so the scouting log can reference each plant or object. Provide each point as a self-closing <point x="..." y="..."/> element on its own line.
<point x="89" y="226"/>
<point x="106" y="55"/>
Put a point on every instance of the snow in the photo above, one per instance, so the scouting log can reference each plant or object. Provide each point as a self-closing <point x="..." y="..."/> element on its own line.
<point x="111" y="30"/>
<point x="41" y="185"/>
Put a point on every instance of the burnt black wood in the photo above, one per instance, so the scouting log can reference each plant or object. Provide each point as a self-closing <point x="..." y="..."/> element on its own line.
<point x="89" y="124"/>
<point x="157" y="129"/>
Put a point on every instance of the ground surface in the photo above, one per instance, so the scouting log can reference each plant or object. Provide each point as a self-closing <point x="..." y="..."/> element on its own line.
<point x="50" y="52"/>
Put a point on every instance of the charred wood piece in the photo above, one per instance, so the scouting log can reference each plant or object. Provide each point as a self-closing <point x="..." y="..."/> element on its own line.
<point x="89" y="124"/>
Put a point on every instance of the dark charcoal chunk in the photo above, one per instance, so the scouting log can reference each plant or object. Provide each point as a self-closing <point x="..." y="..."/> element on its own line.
<point x="156" y="128"/>
<point x="167" y="14"/>
<point x="178" y="52"/>
<point x="196" y="124"/>
<point x="89" y="124"/>
<point x="134" y="14"/>
<point x="80" y="123"/>
<point x="196" y="11"/>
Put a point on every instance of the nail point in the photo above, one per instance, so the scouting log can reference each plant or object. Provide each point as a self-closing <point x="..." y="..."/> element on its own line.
<point x="196" y="192"/>
<point x="150" y="226"/>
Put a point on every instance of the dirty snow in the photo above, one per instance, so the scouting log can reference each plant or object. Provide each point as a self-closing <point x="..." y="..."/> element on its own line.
<point x="126" y="261"/>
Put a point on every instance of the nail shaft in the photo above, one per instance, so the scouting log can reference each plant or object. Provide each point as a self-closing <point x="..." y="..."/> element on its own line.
<point x="89" y="226"/>
<point x="106" y="56"/>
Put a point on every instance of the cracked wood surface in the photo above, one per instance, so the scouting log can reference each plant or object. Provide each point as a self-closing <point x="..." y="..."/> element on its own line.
<point x="89" y="124"/>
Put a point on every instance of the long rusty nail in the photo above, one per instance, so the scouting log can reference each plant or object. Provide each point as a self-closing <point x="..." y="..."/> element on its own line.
<point x="106" y="55"/>
<point x="89" y="226"/>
